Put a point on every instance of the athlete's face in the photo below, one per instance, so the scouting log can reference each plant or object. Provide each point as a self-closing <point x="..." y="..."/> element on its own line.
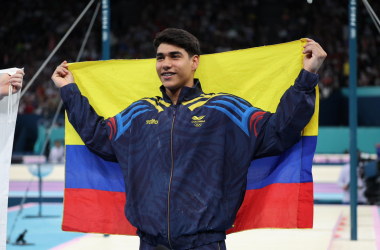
<point x="174" y="67"/>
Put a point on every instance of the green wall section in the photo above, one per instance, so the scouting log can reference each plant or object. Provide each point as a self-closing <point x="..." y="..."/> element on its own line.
<point x="335" y="140"/>
<point x="364" y="91"/>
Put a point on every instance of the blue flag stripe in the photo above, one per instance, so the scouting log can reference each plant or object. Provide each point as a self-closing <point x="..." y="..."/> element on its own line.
<point x="86" y="170"/>
<point x="292" y="166"/>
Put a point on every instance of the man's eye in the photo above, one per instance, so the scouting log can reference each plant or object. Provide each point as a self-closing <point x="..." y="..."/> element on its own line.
<point x="159" y="58"/>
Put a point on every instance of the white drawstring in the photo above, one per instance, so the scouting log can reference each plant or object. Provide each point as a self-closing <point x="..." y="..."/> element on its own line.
<point x="10" y="104"/>
<point x="10" y="101"/>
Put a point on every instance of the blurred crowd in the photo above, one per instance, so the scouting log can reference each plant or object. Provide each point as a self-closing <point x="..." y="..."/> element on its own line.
<point x="29" y="31"/>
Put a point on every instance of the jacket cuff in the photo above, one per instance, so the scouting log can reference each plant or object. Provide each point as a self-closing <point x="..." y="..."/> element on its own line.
<point x="306" y="81"/>
<point x="68" y="91"/>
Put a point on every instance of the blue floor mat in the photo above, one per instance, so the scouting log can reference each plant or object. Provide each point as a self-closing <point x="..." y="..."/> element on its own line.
<point x="45" y="233"/>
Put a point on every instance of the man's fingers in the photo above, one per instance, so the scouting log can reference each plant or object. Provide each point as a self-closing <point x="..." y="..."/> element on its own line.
<point x="315" y="51"/>
<point x="17" y="84"/>
<point x="17" y="75"/>
<point x="315" y="48"/>
<point x="309" y="40"/>
<point x="319" y="50"/>
<point x="307" y="50"/>
<point x="62" y="70"/>
<point x="316" y="45"/>
<point x="15" y="80"/>
<point x="310" y="43"/>
<point x="64" y="64"/>
<point x="15" y="89"/>
<point x="20" y="72"/>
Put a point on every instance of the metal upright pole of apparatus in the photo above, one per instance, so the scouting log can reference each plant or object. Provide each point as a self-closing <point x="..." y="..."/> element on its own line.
<point x="39" y="190"/>
<point x="353" y="117"/>
<point x="106" y="14"/>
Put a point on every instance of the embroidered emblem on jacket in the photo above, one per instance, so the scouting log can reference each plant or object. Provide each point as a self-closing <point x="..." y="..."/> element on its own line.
<point x="198" y="120"/>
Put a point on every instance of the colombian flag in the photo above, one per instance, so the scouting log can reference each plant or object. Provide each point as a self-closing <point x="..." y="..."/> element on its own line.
<point x="279" y="190"/>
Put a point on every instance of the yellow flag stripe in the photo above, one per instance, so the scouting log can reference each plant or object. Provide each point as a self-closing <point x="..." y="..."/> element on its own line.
<point x="257" y="75"/>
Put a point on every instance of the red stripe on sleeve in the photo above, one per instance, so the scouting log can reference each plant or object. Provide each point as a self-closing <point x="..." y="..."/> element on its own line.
<point x="114" y="125"/>
<point x="111" y="130"/>
<point x="258" y="119"/>
<point x="253" y="118"/>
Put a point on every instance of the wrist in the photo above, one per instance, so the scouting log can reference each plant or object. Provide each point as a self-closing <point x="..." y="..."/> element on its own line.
<point x="68" y="91"/>
<point x="306" y="81"/>
<point x="63" y="85"/>
<point x="309" y="70"/>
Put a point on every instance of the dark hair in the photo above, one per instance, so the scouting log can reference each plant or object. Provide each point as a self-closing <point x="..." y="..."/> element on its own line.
<point x="180" y="38"/>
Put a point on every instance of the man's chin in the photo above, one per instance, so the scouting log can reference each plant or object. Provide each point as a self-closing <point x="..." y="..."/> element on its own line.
<point x="170" y="85"/>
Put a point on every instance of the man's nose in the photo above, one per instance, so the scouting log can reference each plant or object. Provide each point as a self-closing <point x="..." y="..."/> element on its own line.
<point x="167" y="64"/>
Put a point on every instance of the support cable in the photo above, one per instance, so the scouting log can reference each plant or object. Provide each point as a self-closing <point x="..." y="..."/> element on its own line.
<point x="372" y="14"/>
<point x="88" y="32"/>
<point x="55" y="117"/>
<point x="56" y="48"/>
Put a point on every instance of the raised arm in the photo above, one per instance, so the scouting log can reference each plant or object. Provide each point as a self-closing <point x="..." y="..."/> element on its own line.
<point x="91" y="127"/>
<point x="272" y="134"/>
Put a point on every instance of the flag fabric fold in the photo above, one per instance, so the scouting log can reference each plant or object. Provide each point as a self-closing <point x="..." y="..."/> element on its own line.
<point x="279" y="189"/>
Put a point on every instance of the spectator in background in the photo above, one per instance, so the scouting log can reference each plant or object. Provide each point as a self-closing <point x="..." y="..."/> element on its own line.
<point x="222" y="25"/>
<point x="57" y="153"/>
<point x="344" y="182"/>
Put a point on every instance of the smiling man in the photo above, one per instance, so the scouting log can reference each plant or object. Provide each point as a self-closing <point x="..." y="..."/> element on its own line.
<point x="176" y="65"/>
<point x="185" y="155"/>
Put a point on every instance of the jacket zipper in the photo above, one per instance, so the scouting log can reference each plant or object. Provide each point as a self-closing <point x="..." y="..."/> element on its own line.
<point x="171" y="176"/>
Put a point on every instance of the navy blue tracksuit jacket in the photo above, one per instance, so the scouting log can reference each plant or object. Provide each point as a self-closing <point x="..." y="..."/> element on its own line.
<point x="185" y="165"/>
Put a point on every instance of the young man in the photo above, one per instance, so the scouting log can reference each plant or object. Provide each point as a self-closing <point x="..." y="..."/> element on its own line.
<point x="186" y="174"/>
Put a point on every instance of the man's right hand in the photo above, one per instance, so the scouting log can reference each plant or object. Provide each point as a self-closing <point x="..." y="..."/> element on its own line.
<point x="62" y="76"/>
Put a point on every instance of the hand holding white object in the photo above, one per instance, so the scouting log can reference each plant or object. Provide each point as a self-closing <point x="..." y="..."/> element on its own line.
<point x="15" y="80"/>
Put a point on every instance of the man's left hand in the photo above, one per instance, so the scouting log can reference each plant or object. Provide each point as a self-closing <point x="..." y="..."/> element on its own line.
<point x="314" y="56"/>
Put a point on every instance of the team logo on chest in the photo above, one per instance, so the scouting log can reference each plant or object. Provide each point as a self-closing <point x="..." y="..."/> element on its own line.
<point x="198" y="120"/>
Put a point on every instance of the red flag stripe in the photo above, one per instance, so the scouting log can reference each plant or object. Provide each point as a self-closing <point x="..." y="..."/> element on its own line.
<point x="84" y="213"/>
<point x="276" y="206"/>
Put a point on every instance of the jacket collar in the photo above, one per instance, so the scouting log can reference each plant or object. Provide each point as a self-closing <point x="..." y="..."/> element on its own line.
<point x="186" y="94"/>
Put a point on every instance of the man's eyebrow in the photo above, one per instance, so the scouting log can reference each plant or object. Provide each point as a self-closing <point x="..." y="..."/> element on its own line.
<point x="175" y="53"/>
<point x="170" y="53"/>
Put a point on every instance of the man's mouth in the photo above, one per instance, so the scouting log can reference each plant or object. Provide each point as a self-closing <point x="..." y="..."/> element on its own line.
<point x="168" y="75"/>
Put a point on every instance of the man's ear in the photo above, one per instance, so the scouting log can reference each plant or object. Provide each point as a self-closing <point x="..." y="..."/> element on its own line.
<point x="194" y="62"/>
